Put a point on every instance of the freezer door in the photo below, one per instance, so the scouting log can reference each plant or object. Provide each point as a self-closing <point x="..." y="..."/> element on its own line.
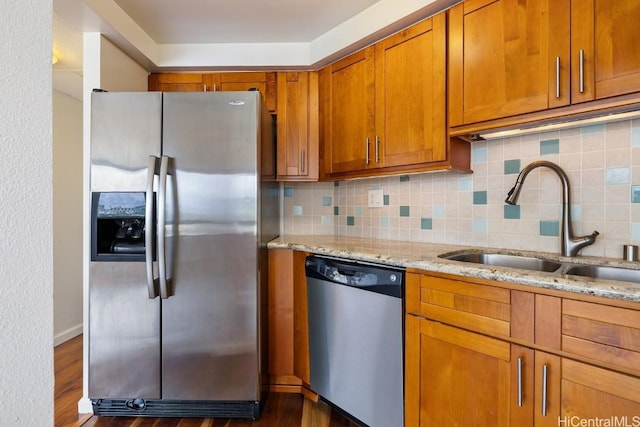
<point x="124" y="324"/>
<point x="124" y="333"/>
<point x="126" y="128"/>
<point x="209" y="333"/>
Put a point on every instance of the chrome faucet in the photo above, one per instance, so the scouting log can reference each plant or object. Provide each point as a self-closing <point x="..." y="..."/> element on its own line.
<point x="570" y="244"/>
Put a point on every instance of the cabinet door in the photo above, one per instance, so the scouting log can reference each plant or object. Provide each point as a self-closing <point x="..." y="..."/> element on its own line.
<point x="180" y="82"/>
<point x="263" y="82"/>
<point x="288" y="337"/>
<point x="298" y="126"/>
<point x="410" y="96"/>
<point x="454" y="377"/>
<point x="604" y="44"/>
<point x="351" y="112"/>
<point x="503" y="59"/>
<point x="590" y="392"/>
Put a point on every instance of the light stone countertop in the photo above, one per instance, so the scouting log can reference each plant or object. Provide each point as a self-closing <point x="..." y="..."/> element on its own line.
<point x="424" y="256"/>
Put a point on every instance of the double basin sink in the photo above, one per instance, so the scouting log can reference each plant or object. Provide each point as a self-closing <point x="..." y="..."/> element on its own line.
<point x="524" y="262"/>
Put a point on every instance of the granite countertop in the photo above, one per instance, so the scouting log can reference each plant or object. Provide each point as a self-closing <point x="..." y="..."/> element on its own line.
<point x="424" y="256"/>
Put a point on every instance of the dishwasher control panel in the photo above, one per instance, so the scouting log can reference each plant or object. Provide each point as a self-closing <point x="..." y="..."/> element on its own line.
<point x="386" y="280"/>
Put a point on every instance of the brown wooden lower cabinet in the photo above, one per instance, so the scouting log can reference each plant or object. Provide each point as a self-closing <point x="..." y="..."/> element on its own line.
<point x="589" y="392"/>
<point x="455" y="375"/>
<point x="288" y="336"/>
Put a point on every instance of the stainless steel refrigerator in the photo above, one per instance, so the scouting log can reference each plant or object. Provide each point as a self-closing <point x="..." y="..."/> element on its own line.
<point x="184" y="200"/>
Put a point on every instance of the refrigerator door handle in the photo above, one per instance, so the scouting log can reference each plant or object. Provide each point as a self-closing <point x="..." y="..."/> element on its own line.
<point x="148" y="229"/>
<point x="162" y="199"/>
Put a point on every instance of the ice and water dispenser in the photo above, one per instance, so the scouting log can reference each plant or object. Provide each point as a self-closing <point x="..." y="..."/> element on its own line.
<point x="118" y="226"/>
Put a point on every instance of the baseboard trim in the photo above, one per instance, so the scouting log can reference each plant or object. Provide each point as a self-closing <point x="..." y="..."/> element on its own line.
<point x="85" y="406"/>
<point x="66" y="335"/>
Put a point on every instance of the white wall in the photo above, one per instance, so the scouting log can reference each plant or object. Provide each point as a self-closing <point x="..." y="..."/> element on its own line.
<point x="26" y="272"/>
<point x="67" y="217"/>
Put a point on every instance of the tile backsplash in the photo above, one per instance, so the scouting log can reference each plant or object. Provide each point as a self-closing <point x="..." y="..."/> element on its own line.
<point x="602" y="162"/>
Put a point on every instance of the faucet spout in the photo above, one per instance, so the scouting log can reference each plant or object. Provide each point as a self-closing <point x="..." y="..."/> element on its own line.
<point x="570" y="245"/>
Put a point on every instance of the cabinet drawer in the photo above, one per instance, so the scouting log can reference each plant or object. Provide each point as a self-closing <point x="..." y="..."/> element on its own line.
<point x="603" y="333"/>
<point x="472" y="306"/>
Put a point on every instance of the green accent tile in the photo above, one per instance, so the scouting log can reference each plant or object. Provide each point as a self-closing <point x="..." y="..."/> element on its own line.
<point x="288" y="191"/>
<point x="635" y="194"/>
<point x="426" y="223"/>
<point x="593" y="129"/>
<point x="385" y="221"/>
<point x="479" y="225"/>
<point x="326" y="200"/>
<point x="550" y="146"/>
<point x="549" y="228"/>
<point x="479" y="197"/>
<point x="357" y="211"/>
<point x="439" y="211"/>
<point x="511" y="212"/>
<point x="465" y="183"/>
<point x="385" y="199"/>
<point x="351" y="220"/>
<point x="479" y="154"/>
<point x="297" y="210"/>
<point x="404" y="210"/>
<point x="635" y="136"/>
<point x="326" y="220"/>
<point x="618" y="175"/>
<point x="404" y="178"/>
<point x="336" y="210"/>
<point x="512" y="167"/>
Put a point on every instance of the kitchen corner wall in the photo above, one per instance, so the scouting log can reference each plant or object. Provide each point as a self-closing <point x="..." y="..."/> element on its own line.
<point x="602" y="162"/>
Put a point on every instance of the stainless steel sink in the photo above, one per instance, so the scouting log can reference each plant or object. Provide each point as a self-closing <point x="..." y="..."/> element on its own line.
<point x="604" y="272"/>
<point x="504" y="260"/>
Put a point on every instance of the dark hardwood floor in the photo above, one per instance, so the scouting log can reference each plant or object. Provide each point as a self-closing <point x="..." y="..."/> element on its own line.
<point x="280" y="410"/>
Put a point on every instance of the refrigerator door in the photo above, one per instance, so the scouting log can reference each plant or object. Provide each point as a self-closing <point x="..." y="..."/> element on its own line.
<point x="124" y="333"/>
<point x="126" y="128"/>
<point x="210" y="326"/>
<point x="124" y="323"/>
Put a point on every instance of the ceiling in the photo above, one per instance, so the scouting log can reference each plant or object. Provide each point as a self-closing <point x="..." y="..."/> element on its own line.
<point x="239" y="21"/>
<point x="222" y="34"/>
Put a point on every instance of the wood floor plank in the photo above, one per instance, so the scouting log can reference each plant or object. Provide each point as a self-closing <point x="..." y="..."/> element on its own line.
<point x="280" y="409"/>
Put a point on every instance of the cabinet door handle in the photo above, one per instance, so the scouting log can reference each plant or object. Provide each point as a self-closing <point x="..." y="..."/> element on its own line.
<point x="366" y="157"/>
<point x="148" y="229"/>
<point x="545" y="370"/>
<point x="162" y="232"/>
<point x="557" y="77"/>
<point x="581" y="70"/>
<point x="302" y="160"/>
<point x="377" y="149"/>
<point x="520" y="363"/>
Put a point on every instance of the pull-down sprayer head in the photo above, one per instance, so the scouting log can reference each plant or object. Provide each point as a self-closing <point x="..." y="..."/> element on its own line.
<point x="514" y="193"/>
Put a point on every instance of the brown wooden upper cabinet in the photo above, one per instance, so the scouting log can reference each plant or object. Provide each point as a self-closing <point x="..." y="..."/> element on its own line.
<point x="196" y="82"/>
<point x="298" y="126"/>
<point x="512" y="57"/>
<point x="384" y="107"/>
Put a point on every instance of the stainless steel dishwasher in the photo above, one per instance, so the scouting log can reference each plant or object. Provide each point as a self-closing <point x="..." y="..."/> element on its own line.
<point x="355" y="338"/>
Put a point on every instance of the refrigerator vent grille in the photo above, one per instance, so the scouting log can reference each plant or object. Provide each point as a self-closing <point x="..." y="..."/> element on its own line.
<point x="178" y="408"/>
